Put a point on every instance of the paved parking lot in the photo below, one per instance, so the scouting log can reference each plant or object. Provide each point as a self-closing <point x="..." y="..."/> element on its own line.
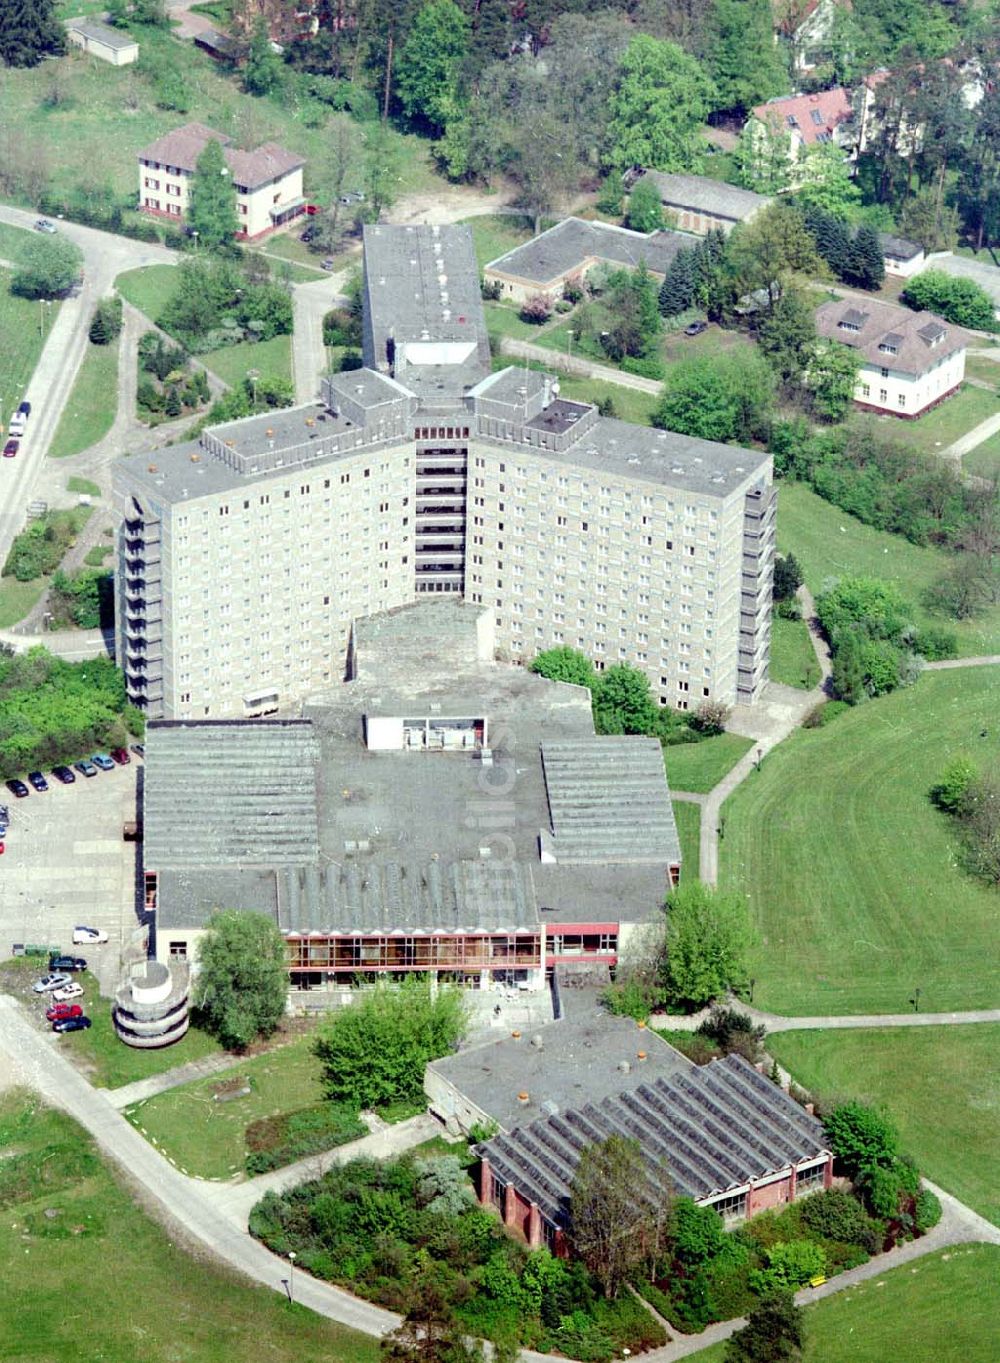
<point x="66" y="863"/>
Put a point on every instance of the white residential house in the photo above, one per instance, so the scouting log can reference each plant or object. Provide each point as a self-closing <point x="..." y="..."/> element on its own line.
<point x="910" y="361"/>
<point x="808" y="29"/>
<point x="268" y="181"/>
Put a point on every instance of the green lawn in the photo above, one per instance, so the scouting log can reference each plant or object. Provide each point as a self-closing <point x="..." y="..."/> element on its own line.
<point x="84" y="486"/>
<point x="955" y="417"/>
<point x="102" y="1280"/>
<point x="109" y="1063"/>
<point x="793" y="658"/>
<point x="941" y="1085"/>
<point x="12" y="240"/>
<point x="979" y="367"/>
<point x="629" y="403"/>
<point x="90" y="412"/>
<point x="984" y="460"/>
<point x="21" y="342"/>
<point x="205" y="1136"/>
<point x="829" y="543"/>
<point x="850" y="871"/>
<point x="273" y="358"/>
<point x="18" y="598"/>
<point x="95" y="557"/>
<point x="494" y="234"/>
<point x="940" y="1309"/>
<point x="700" y="766"/>
<point x="503" y="319"/>
<point x="116" y="111"/>
<point x="688" y="817"/>
<point x="149" y="289"/>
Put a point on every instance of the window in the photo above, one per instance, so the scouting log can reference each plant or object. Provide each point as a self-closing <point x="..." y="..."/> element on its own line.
<point x="866" y="390"/>
<point x="809" y="1180"/>
<point x="885" y="372"/>
<point x="902" y="399"/>
<point x="883" y="395"/>
<point x="731" y="1208"/>
<point x="178" y="948"/>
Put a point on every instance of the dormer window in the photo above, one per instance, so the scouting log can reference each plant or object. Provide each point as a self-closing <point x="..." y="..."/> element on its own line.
<point x="817" y="118"/>
<point x="791" y="120"/>
<point x="848" y="326"/>
<point x="887" y="349"/>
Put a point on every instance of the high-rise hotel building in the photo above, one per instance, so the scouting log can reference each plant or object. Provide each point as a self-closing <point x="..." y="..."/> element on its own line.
<point x="244" y="557"/>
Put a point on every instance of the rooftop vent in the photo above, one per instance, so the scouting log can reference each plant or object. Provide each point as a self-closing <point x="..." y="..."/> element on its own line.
<point x="150" y="468"/>
<point x="624" y="1067"/>
<point x="550" y="1108"/>
<point x="195" y="458"/>
<point x="485" y="853"/>
<point x="523" y="1098"/>
<point x="538" y="1042"/>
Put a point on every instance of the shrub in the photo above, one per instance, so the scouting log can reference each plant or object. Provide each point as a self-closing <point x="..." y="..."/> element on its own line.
<point x="579" y="1336"/>
<point x="573" y="291"/>
<point x="927" y="1212"/>
<point x="934" y="643"/>
<point x="824" y="713"/>
<point x="536" y="309"/>
<point x="710" y="718"/>
<point x="632" y="997"/>
<point x="735" y="1033"/>
<point x="957" y="300"/>
<point x="275" y="1141"/>
<point x="952" y="793"/>
<point x="491" y="290"/>
<point x="788" y="1265"/>
<point x="837" y="1215"/>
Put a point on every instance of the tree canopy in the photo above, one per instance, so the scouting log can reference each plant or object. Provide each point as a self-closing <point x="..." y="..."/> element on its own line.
<point x="619" y="1221"/>
<point x="29" y="31"/>
<point x="374" y="1051"/>
<point x="725" y="396"/>
<point x="656" y="112"/>
<point x="432" y="63"/>
<point x="709" y="944"/>
<point x="242" y="981"/>
<point x="957" y="300"/>
<point x="47" y="267"/>
<point x="212" y="207"/>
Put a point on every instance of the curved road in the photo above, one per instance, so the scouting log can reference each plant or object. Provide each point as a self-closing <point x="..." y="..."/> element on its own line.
<point x="104" y="257"/>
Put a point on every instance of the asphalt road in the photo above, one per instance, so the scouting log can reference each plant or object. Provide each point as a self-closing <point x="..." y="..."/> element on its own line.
<point x="48" y="390"/>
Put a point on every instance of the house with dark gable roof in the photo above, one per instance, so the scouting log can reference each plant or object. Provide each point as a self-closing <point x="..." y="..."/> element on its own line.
<point x="268" y="181"/>
<point x="910" y="361"/>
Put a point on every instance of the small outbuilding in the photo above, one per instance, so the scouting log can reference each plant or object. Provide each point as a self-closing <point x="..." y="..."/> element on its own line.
<point x="100" y="40"/>
<point x="901" y="257"/>
<point x="699" y="204"/>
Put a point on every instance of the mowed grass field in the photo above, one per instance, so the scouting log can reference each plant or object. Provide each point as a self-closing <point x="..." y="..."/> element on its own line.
<point x="941" y="1085"/>
<point x="149" y="288"/>
<point x="100" y="1280"/>
<point x="688" y="818"/>
<point x="830" y="543"/>
<point x="204" y="1135"/>
<point x="851" y="873"/>
<point x="793" y="658"/>
<point x="700" y="766"/>
<point x="272" y="359"/>
<point x="93" y="403"/>
<point x="21" y="343"/>
<point x="940" y="1309"/>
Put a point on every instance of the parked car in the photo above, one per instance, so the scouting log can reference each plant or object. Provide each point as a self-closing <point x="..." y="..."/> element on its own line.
<point x="11" y="448"/>
<point x="24" y="408"/>
<point x="309" y="233"/>
<point x="67" y="963"/>
<point x="44" y="225"/>
<point x="4" y="815"/>
<point x="120" y="755"/>
<point x="85" y="768"/>
<point x="102" y="760"/>
<point x="82" y="934"/>
<point x="64" y="775"/>
<point x="58" y="1011"/>
<point x="695" y="329"/>
<point x="139" y="749"/>
<point x="68" y="991"/>
<point x="48" y="982"/>
<point x="79" y="1024"/>
<point x="18" y="789"/>
<point x="329" y="264"/>
<point x="38" y="781"/>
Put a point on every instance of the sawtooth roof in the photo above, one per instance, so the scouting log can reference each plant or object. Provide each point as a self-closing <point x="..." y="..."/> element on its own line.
<point x="703" y="1132"/>
<point x="229" y="794"/>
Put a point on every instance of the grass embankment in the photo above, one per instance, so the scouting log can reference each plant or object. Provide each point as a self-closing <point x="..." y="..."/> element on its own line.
<point x="100" y="1279"/>
<point x="232" y="362"/>
<point x="699" y="767"/>
<point x="955" y="417"/>
<point x="22" y="332"/>
<point x="204" y="1134"/>
<point x="93" y="403"/>
<point x="494" y="234"/>
<point x="109" y="1064"/>
<point x="984" y="460"/>
<point x="940" y="1084"/>
<point x="793" y="658"/>
<point x="851" y="872"/>
<point x="688" y="818"/>
<point x="940" y="1309"/>
<point x="829" y="543"/>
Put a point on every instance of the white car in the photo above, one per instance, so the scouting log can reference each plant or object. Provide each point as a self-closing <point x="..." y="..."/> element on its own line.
<point x="84" y="935"/>
<point x="67" y="992"/>
<point x="48" y="982"/>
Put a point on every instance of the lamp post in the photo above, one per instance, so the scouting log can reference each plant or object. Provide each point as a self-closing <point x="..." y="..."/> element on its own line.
<point x="569" y="342"/>
<point x="253" y="375"/>
<point x="291" y="1275"/>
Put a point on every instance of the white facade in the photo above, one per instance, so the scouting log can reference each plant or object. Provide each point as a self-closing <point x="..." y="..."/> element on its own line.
<point x="167" y="189"/>
<point x="100" y="41"/>
<point x="888" y="390"/>
<point x="904" y="269"/>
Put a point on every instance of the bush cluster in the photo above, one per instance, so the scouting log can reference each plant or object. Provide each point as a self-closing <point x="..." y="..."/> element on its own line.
<point x="220" y="301"/>
<point x="973" y="799"/>
<point x="39" y="548"/>
<point x="276" y="1141"/>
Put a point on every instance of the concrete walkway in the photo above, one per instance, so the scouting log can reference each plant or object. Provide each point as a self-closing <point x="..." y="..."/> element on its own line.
<point x="977" y="436"/>
<point x="777" y="1022"/>
<point x="573" y="364"/>
<point x="946" y="664"/>
<point x="311" y="302"/>
<point x="142" y="1089"/>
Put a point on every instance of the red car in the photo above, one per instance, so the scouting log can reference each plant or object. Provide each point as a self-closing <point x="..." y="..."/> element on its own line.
<point x="59" y="1011"/>
<point x="120" y="755"/>
<point x="10" y="449"/>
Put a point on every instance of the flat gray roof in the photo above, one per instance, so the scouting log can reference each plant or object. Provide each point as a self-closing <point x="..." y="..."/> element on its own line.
<point x="572" y="243"/>
<point x="583" y="1058"/>
<point x="608" y="801"/>
<point x="703" y="1131"/>
<point x="102" y="33"/>
<point x="187" y="899"/>
<point x="229" y="793"/>
<point x="706" y="195"/>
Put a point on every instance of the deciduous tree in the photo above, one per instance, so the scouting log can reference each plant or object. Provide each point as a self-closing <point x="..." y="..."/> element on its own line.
<point x="432" y="64"/>
<point x="619" y="1217"/>
<point x="212" y="205"/>
<point x="645" y="210"/>
<point x="46" y="268"/>
<point x="832" y="377"/>
<point x="740" y="54"/>
<point x="565" y="664"/>
<point x="662" y="99"/>
<point x="722" y="396"/>
<point x="957" y="300"/>
<point x="242" y="981"/>
<point x="787" y="336"/>
<point x="710" y="939"/>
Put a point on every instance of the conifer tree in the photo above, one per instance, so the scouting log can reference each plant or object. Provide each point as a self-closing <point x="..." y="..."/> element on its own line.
<point x="28" y="32"/>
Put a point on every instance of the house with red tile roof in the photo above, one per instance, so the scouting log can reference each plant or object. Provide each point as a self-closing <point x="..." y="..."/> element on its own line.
<point x="268" y="181"/>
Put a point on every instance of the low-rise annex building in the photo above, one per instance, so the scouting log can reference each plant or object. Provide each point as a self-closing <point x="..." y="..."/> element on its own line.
<point x="909" y="360"/>
<point x="699" y="204"/>
<point x="100" y="40"/>
<point x="901" y="257"/>
<point x="268" y="181"/>
<point x="573" y="249"/>
<point x="721" y="1133"/>
<point x="439" y="813"/>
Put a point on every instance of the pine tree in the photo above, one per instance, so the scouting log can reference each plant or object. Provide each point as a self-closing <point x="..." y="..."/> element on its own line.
<point x="677" y="289"/>
<point x="98" y="329"/>
<point x="740" y="54"/>
<point x="833" y="241"/>
<point x="492" y="35"/>
<point x="28" y="32"/>
<point x="173" y="407"/>
<point x="773" y="1333"/>
<point x="865" y="264"/>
